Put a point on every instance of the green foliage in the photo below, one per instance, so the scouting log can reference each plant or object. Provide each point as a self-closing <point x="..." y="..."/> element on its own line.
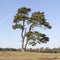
<point x="36" y="37"/>
<point x="22" y="15"/>
<point x="36" y="19"/>
<point x="17" y="26"/>
<point x="24" y="10"/>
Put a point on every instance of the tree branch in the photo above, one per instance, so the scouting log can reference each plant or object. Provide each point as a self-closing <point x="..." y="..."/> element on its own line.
<point x="30" y="27"/>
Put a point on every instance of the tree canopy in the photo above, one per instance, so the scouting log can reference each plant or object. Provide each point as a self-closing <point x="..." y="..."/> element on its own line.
<point x="26" y="23"/>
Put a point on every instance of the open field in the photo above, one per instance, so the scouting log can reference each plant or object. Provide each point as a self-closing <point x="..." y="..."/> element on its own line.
<point x="11" y="55"/>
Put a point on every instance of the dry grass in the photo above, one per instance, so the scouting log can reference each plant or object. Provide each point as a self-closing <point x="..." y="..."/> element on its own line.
<point x="11" y="55"/>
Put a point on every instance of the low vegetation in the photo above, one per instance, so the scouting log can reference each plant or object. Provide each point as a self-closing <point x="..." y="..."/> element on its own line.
<point x="15" y="55"/>
<point x="40" y="50"/>
<point x="30" y="54"/>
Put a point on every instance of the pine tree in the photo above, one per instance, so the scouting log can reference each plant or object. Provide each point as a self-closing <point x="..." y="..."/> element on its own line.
<point x="26" y="23"/>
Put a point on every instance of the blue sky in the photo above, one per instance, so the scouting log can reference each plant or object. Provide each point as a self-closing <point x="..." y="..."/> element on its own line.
<point x="10" y="38"/>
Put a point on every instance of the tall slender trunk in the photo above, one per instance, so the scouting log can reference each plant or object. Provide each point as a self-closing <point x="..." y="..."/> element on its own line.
<point x="22" y="42"/>
<point x="22" y="34"/>
<point x="26" y="44"/>
<point x="26" y="39"/>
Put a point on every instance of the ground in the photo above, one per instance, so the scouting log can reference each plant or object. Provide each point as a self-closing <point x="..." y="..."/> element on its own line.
<point x="15" y="55"/>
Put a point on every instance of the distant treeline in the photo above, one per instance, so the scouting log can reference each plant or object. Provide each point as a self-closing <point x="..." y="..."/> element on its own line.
<point x="45" y="50"/>
<point x="41" y="50"/>
<point x="9" y="49"/>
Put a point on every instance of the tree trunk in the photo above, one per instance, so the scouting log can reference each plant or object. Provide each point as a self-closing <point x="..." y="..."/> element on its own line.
<point x="26" y="44"/>
<point x="22" y="34"/>
<point x="22" y="45"/>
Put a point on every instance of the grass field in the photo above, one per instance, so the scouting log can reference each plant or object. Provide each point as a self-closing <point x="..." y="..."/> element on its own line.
<point x="11" y="55"/>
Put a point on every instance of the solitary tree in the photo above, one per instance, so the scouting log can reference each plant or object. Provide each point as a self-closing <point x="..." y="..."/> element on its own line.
<point x="27" y="24"/>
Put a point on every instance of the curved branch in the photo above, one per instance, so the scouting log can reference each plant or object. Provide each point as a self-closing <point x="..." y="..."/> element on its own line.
<point x="31" y="27"/>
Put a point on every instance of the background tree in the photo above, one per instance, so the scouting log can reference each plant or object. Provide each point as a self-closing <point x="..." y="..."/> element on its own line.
<point x="28" y="24"/>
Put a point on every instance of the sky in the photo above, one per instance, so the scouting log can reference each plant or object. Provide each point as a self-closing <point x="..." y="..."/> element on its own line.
<point x="10" y="38"/>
